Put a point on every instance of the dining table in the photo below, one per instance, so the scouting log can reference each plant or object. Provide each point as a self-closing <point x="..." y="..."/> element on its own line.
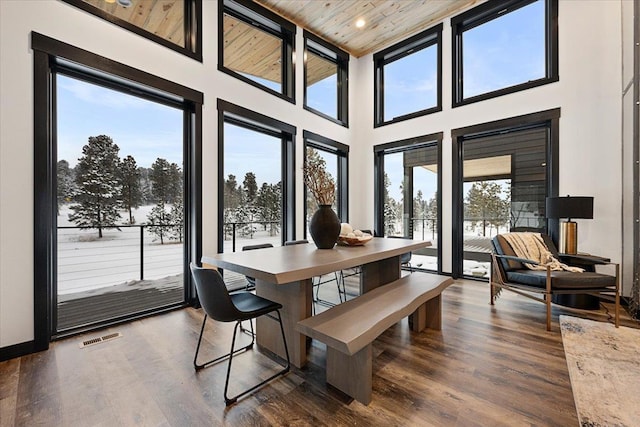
<point x="285" y="274"/>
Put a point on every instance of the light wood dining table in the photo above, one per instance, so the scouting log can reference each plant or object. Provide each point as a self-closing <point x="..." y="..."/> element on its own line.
<point x="284" y="274"/>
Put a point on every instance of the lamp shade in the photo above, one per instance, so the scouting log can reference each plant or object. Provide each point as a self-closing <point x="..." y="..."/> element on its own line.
<point x="569" y="207"/>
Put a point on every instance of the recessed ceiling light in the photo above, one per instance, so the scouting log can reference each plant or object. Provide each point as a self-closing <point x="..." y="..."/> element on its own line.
<point x="360" y="23"/>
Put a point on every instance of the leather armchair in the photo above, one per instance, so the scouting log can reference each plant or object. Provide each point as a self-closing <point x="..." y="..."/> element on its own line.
<point x="508" y="272"/>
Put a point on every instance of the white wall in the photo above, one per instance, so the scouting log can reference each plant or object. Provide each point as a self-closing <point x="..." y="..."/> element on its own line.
<point x="588" y="94"/>
<point x="70" y="25"/>
<point x="627" y="92"/>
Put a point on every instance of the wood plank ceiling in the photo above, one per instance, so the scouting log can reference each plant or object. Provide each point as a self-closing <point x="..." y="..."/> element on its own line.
<point x="386" y="21"/>
<point x="164" y="18"/>
<point x="253" y="52"/>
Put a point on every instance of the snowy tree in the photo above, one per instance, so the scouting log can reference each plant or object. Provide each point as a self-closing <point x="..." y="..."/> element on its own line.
<point x="431" y="213"/>
<point x="233" y="199"/>
<point x="485" y="205"/>
<point x="166" y="188"/>
<point x="232" y="193"/>
<point x="177" y="220"/>
<point x="390" y="209"/>
<point x="66" y="185"/>
<point x="98" y="186"/>
<point x="166" y="181"/>
<point x="131" y="194"/>
<point x="419" y="208"/>
<point x="145" y="185"/>
<point x="268" y="202"/>
<point x="250" y="187"/>
<point x="160" y="222"/>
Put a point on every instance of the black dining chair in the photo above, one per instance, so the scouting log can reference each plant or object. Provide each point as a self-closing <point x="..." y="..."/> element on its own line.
<point x="251" y="281"/>
<point x="222" y="306"/>
<point x="317" y="281"/>
<point x="405" y="259"/>
<point x="352" y="272"/>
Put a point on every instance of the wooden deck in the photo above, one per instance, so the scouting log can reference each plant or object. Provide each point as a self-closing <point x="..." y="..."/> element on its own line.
<point x="111" y="302"/>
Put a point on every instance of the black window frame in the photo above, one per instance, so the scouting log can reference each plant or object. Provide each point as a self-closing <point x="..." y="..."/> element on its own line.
<point x="379" y="151"/>
<point x="487" y="12"/>
<point x="192" y="27"/>
<point x="549" y="119"/>
<point x="249" y="119"/>
<point x="257" y="16"/>
<point x="425" y="39"/>
<point x="50" y="55"/>
<point x="321" y="143"/>
<point x="341" y="59"/>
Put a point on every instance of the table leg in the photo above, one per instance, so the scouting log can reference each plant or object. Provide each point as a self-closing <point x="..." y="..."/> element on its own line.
<point x="295" y="298"/>
<point x="379" y="273"/>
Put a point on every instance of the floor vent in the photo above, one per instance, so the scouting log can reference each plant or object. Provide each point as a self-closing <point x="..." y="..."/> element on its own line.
<point x="98" y="340"/>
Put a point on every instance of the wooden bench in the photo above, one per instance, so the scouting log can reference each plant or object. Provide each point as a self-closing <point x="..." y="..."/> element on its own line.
<point x="348" y="329"/>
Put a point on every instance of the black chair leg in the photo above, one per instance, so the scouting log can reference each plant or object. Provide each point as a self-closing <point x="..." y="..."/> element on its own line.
<point x="231" y="400"/>
<point x="217" y="359"/>
<point x="247" y="331"/>
<point x="316" y="298"/>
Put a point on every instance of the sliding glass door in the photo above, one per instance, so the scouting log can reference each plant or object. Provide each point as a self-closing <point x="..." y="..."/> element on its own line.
<point x="407" y="195"/>
<point x="120" y="203"/>
<point x="504" y="172"/>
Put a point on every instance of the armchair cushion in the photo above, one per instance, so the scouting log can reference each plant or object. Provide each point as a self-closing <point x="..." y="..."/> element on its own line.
<point x="561" y="280"/>
<point x="501" y="247"/>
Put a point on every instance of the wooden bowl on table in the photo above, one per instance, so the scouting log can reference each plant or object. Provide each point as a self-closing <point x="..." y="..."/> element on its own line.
<point x="354" y="241"/>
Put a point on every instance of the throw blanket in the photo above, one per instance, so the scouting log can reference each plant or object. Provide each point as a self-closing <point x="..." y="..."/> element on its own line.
<point x="531" y="246"/>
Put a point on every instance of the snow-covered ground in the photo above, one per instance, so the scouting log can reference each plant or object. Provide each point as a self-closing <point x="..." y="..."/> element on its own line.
<point x="87" y="262"/>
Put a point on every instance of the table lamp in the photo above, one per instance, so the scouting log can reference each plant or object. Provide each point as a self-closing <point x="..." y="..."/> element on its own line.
<point x="569" y="207"/>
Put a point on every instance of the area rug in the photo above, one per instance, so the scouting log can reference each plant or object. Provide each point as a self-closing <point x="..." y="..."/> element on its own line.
<point x="604" y="366"/>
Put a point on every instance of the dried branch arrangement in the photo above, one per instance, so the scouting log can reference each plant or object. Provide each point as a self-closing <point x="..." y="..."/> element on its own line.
<point x="319" y="182"/>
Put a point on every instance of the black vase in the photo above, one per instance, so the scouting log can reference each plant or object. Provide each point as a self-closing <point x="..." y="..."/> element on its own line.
<point x="324" y="227"/>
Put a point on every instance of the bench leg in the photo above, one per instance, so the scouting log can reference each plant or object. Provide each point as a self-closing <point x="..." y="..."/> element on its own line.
<point x="351" y="374"/>
<point x="428" y="315"/>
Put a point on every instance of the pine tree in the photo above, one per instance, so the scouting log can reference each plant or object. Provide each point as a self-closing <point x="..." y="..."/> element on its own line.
<point x="66" y="186"/>
<point x="166" y="188"/>
<point x="145" y="185"/>
<point x="431" y="213"/>
<point x="160" y="222"/>
<point x="390" y="209"/>
<point x="131" y="195"/>
<point x="250" y="187"/>
<point x="177" y="220"/>
<point x="232" y="193"/>
<point x="98" y="186"/>
<point x="269" y="206"/>
<point x="485" y="206"/>
<point x="166" y="181"/>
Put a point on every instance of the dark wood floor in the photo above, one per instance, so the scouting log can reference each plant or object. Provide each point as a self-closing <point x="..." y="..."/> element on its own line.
<point x="489" y="366"/>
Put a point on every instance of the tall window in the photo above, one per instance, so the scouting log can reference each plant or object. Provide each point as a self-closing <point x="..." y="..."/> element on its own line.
<point x="256" y="46"/>
<point x="407" y="195"/>
<point x="120" y="203"/>
<point x="175" y="24"/>
<point x="335" y="156"/>
<point x="116" y="191"/>
<point x="326" y="76"/>
<point x="408" y="78"/>
<point x="502" y="47"/>
<point x="256" y="183"/>
<point x="503" y="174"/>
